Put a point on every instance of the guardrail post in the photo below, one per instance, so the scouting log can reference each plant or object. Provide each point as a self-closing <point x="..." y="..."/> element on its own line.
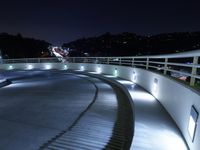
<point x="147" y="63"/>
<point x="194" y="70"/>
<point x="108" y="60"/>
<point x="132" y="62"/>
<point x="165" y="66"/>
<point x="120" y="61"/>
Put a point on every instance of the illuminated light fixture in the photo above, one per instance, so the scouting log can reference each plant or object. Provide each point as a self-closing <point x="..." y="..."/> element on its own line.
<point x="155" y="85"/>
<point x="99" y="69"/>
<point x="65" y="67"/>
<point x="30" y="67"/>
<point x="192" y="122"/>
<point x="134" y="76"/>
<point x="10" y="67"/>
<point x="82" y="68"/>
<point x="115" y="72"/>
<point x="48" y="67"/>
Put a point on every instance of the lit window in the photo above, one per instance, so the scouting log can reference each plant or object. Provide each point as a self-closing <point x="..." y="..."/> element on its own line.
<point x="192" y="122"/>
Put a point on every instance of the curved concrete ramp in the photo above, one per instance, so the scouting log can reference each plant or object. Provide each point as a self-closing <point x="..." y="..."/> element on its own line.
<point x="58" y="110"/>
<point x="105" y="124"/>
<point x="34" y="108"/>
<point x="154" y="129"/>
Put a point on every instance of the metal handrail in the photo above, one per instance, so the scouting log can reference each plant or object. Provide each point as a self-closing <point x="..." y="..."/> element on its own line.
<point x="162" y="63"/>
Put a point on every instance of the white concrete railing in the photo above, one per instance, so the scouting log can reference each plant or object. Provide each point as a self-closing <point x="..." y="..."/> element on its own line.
<point x="178" y="65"/>
<point x="178" y="99"/>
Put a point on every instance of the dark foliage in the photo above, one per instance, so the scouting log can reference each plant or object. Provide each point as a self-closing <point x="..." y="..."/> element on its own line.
<point x="124" y="44"/>
<point x="16" y="46"/>
<point x="128" y="44"/>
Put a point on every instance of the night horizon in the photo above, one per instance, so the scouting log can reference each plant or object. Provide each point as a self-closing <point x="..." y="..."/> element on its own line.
<point x="65" y="21"/>
<point x="95" y="36"/>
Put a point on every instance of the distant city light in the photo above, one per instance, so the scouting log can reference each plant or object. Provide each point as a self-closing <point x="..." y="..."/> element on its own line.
<point x="59" y="52"/>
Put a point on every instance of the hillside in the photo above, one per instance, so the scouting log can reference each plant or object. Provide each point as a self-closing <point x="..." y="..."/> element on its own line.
<point x="129" y="44"/>
<point x="16" y="46"/>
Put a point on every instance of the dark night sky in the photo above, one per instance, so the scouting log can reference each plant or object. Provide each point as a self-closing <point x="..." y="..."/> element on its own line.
<point x="59" y="21"/>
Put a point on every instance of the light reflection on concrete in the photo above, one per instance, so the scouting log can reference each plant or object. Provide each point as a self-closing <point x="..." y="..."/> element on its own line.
<point x="110" y="76"/>
<point x="154" y="129"/>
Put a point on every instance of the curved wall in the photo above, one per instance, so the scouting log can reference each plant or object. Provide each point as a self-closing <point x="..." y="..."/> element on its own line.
<point x="175" y="97"/>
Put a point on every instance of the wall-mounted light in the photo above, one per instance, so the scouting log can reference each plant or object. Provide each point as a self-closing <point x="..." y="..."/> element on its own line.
<point x="29" y="67"/>
<point x="65" y="67"/>
<point x="192" y="122"/>
<point x="48" y="67"/>
<point x="116" y="72"/>
<point x="10" y="67"/>
<point x="82" y="68"/>
<point x="99" y="69"/>
<point x="134" y="76"/>
<point x="155" y="85"/>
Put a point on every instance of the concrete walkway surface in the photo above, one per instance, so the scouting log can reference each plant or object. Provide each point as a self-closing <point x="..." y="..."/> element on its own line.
<point x="62" y="110"/>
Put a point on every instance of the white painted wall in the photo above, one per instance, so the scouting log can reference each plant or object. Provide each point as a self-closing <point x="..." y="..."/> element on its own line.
<point x="175" y="97"/>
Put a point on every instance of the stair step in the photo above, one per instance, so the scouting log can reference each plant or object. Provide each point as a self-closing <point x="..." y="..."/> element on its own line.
<point x="79" y="143"/>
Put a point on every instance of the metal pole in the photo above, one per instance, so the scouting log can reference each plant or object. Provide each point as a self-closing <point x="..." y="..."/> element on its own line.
<point x="133" y="62"/>
<point x="108" y="61"/>
<point x="194" y="70"/>
<point x="120" y="61"/>
<point x="147" y="63"/>
<point x="165" y="66"/>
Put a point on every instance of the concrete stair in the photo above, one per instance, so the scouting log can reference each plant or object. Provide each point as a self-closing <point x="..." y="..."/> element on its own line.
<point x="103" y="126"/>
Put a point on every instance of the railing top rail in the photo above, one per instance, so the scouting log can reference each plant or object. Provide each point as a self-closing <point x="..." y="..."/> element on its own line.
<point x="167" y="65"/>
<point x="176" y="55"/>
